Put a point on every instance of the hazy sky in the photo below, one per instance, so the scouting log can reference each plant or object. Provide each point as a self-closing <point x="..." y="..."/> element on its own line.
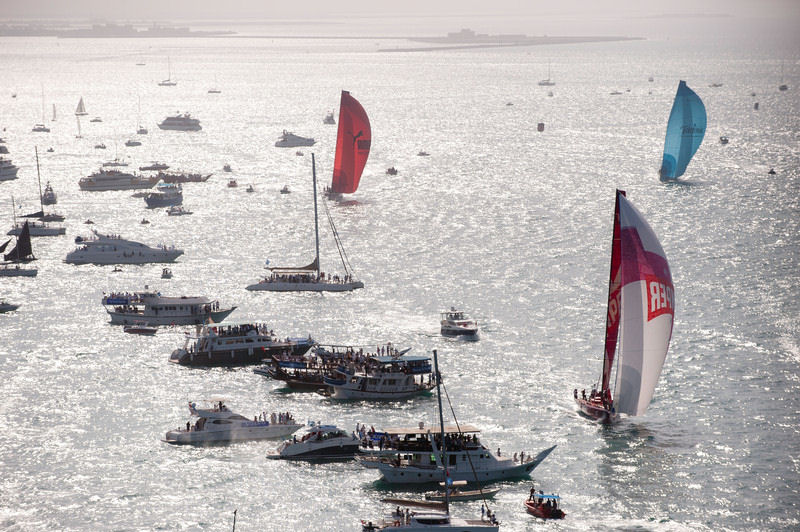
<point x="265" y="9"/>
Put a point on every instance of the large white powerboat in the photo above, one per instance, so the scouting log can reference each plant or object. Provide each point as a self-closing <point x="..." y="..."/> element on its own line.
<point x="387" y="378"/>
<point x="219" y="424"/>
<point x="290" y="140"/>
<point x="38" y="229"/>
<point x="236" y="344"/>
<point x="115" y="180"/>
<point x="320" y="442"/>
<point x="152" y="308"/>
<point x="113" y="249"/>
<point x="8" y="170"/>
<point x="456" y="323"/>
<point x="181" y="122"/>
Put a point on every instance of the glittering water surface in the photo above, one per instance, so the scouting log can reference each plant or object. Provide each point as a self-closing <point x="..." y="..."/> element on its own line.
<point x="510" y="224"/>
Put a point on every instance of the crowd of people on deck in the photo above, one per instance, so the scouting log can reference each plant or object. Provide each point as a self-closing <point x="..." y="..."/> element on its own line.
<point x="309" y="277"/>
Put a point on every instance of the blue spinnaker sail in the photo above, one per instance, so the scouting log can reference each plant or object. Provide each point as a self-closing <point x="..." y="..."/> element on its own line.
<point x="685" y="131"/>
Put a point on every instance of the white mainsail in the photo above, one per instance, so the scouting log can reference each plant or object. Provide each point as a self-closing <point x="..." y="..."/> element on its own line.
<point x="647" y="312"/>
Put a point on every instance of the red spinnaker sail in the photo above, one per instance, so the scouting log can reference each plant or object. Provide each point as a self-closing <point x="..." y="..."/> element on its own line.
<point x="614" y="286"/>
<point x="352" y="145"/>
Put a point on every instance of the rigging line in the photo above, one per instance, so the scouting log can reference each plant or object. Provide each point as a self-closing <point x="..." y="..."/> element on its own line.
<point x="337" y="240"/>
<point x="469" y="458"/>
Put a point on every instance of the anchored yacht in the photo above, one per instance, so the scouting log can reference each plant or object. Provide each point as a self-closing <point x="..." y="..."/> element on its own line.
<point x="290" y="140"/>
<point x="320" y="442"/>
<point x="113" y="249"/>
<point x="154" y="309"/>
<point x="103" y="180"/>
<point x="219" y="424"/>
<point x="181" y="122"/>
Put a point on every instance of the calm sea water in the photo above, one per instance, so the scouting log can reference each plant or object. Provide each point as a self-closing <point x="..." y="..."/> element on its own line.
<point x="507" y="223"/>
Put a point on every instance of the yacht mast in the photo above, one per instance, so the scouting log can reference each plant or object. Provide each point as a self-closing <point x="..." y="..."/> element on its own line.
<point x="39" y="176"/>
<point x="316" y="221"/>
<point x="441" y="425"/>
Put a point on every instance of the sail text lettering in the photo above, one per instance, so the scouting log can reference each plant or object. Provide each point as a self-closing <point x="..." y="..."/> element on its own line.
<point x="661" y="298"/>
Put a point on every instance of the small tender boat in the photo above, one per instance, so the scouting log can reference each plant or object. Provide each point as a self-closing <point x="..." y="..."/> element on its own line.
<point x="545" y="506"/>
<point x="227" y="168"/>
<point x="250" y="188"/>
<point x="391" y="170"/>
<point x="455" y="493"/>
<point x="177" y="210"/>
<point x="299" y="153"/>
<point x="140" y="328"/>
<point x="232" y="183"/>
<point x="89" y="222"/>
<point x="423" y="154"/>
<point x="50" y="150"/>
<point x="116" y="269"/>
<point x="285" y="190"/>
<point x="320" y="442"/>
<point x="219" y="424"/>
<point x="100" y="146"/>
<point x="131" y="142"/>
<point x="144" y="221"/>
<point x="456" y="323"/>
<point x="41" y="128"/>
<point x="96" y="119"/>
<point x="329" y="119"/>
<point x="166" y="273"/>
<point x="723" y="140"/>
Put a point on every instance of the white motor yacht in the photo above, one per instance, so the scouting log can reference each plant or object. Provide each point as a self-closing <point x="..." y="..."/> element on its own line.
<point x="407" y="457"/>
<point x="320" y="442"/>
<point x="154" y="309"/>
<point x="456" y="323"/>
<point x="113" y="249"/>
<point x="103" y="180"/>
<point x="8" y="170"/>
<point x="219" y="424"/>
<point x="290" y="140"/>
<point x="383" y="378"/>
<point x="177" y="210"/>
<point x="428" y="521"/>
<point x="236" y="344"/>
<point x="38" y="229"/>
<point x="181" y="122"/>
<point x="166" y="194"/>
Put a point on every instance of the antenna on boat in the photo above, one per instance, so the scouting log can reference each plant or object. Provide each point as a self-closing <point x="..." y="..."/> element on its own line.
<point x="316" y="221"/>
<point x="234" y="519"/>
<point x="39" y="176"/>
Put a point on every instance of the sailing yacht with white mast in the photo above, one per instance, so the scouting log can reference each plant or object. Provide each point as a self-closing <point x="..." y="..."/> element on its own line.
<point x="547" y="82"/>
<point x="641" y="310"/>
<point x="438" y="518"/>
<point x="168" y="82"/>
<point x="41" y="128"/>
<point x="40" y="229"/>
<point x="310" y="278"/>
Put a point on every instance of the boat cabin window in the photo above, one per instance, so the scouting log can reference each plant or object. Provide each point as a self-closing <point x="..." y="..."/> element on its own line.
<point x="453" y="459"/>
<point x="432" y="520"/>
<point x="221" y="422"/>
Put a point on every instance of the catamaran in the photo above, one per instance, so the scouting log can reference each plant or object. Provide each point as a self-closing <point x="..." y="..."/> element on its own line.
<point x="353" y="142"/>
<point x="310" y="278"/>
<point x="641" y="310"/>
<point x="685" y="131"/>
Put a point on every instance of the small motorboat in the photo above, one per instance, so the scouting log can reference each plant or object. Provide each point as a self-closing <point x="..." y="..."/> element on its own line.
<point x="131" y="142"/>
<point x="545" y="506"/>
<point x="96" y="119"/>
<point x="321" y="442"/>
<point x="615" y="93"/>
<point x="250" y="188"/>
<point x="227" y="168"/>
<point x="456" y="323"/>
<point x="116" y="269"/>
<point x="166" y="273"/>
<point x="455" y="493"/>
<point x="772" y="171"/>
<point x="715" y="85"/>
<point x="422" y="154"/>
<point x="144" y="221"/>
<point x="285" y="190"/>
<point x="509" y="104"/>
<point x="50" y="150"/>
<point x="723" y="140"/>
<point x="391" y="171"/>
<point x="232" y="183"/>
<point x="5" y="306"/>
<point x="88" y="222"/>
<point x="140" y="328"/>
<point x="299" y="153"/>
<point x="550" y="94"/>
<point x="177" y="210"/>
<point x="329" y="119"/>
<point x="99" y="146"/>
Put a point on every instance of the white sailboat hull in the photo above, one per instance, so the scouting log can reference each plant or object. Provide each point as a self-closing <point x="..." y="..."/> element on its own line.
<point x="280" y="286"/>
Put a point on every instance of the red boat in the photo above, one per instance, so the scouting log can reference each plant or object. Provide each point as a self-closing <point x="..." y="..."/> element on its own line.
<point x="545" y="507"/>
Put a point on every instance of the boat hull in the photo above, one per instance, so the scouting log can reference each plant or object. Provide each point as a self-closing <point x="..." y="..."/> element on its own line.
<point x="235" y="357"/>
<point x="259" y="430"/>
<point x="345" y="393"/>
<point x="337" y="452"/>
<point x="37" y="230"/>
<point x="130" y="318"/>
<point x="595" y="410"/>
<point x="459" y="331"/>
<point x="543" y="512"/>
<point x="78" y="258"/>
<point x="18" y="272"/>
<point x="305" y="287"/>
<point x="474" y="495"/>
